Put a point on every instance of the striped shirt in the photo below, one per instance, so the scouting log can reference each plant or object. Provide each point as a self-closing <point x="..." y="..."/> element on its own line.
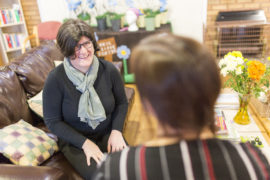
<point x="197" y="159"/>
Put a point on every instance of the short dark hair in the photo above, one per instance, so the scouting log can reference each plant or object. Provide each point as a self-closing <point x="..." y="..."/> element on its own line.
<point x="70" y="33"/>
<point x="180" y="79"/>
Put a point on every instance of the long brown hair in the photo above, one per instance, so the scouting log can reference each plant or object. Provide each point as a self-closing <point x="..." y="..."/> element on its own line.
<point x="179" y="78"/>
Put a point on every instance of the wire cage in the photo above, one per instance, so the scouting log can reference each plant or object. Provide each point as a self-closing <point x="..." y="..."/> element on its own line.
<point x="250" y="35"/>
<point x="247" y="39"/>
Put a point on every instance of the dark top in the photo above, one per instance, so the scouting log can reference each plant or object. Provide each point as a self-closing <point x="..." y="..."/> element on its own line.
<point x="196" y="159"/>
<point x="61" y="100"/>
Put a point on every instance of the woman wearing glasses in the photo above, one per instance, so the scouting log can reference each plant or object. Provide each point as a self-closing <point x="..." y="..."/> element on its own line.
<point x="84" y="101"/>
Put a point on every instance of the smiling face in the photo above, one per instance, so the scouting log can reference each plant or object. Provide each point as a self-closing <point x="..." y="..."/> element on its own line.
<point x="84" y="54"/>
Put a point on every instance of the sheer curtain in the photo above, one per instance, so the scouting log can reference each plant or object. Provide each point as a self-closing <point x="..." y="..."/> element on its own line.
<point x="53" y="10"/>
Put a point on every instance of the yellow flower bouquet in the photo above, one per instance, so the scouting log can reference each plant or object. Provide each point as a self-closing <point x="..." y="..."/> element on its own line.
<point x="246" y="77"/>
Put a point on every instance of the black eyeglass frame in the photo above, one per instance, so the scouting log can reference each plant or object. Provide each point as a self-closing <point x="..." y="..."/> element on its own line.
<point x="86" y="44"/>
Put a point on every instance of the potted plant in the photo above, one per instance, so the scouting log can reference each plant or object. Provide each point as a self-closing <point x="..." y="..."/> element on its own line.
<point x="83" y="11"/>
<point x="123" y="21"/>
<point x="141" y="22"/>
<point x="101" y="22"/>
<point x="108" y="19"/>
<point x="116" y="21"/>
<point x="149" y="20"/>
<point x="85" y="16"/>
<point x="163" y="12"/>
<point x="164" y="17"/>
<point x="101" y="13"/>
<point x="157" y="18"/>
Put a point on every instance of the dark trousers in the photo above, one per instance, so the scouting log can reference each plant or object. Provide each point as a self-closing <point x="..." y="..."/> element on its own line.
<point x="77" y="158"/>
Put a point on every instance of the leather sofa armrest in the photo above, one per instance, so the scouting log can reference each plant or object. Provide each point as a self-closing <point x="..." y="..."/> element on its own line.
<point x="8" y="171"/>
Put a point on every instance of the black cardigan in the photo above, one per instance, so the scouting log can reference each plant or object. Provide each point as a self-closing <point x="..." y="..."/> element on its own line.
<point x="61" y="99"/>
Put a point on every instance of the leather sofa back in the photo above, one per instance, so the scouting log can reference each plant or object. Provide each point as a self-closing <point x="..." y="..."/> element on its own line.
<point x="13" y="105"/>
<point x="30" y="172"/>
<point x="34" y="66"/>
<point x="23" y="78"/>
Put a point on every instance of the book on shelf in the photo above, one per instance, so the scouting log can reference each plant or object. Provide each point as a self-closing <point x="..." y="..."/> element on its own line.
<point x="8" y="41"/>
<point x="3" y="18"/>
<point x="10" y="15"/>
<point x="13" y="40"/>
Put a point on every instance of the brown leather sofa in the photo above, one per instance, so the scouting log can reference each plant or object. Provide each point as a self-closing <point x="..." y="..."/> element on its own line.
<point x="21" y="79"/>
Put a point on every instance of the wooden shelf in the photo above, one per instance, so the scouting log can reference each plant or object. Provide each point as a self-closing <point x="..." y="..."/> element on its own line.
<point x="11" y="24"/>
<point x="12" y="34"/>
<point x="14" y="49"/>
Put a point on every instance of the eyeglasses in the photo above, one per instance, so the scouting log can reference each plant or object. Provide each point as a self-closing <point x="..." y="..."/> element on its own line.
<point x="86" y="44"/>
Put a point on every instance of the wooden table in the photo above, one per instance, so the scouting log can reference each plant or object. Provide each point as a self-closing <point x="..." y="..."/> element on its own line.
<point x="264" y="122"/>
<point x="257" y="127"/>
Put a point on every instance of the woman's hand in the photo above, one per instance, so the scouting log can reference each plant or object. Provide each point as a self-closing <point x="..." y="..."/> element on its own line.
<point x="116" y="142"/>
<point x="91" y="150"/>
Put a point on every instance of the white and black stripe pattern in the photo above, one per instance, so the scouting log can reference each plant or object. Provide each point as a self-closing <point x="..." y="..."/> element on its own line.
<point x="164" y="163"/>
<point x="197" y="159"/>
<point x="187" y="162"/>
<point x="228" y="160"/>
<point x="123" y="164"/>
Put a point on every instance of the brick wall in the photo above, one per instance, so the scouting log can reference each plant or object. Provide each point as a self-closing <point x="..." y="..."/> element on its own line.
<point x="214" y="6"/>
<point x="31" y="15"/>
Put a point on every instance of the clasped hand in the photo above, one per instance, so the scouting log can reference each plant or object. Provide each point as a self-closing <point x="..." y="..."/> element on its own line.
<point x="91" y="150"/>
<point x="115" y="143"/>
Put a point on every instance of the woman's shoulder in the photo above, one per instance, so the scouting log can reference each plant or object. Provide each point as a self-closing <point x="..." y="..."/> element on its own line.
<point x="57" y="73"/>
<point x="57" y="70"/>
<point x="108" y="66"/>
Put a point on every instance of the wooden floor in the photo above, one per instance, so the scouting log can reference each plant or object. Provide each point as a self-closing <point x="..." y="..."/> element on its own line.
<point x="139" y="126"/>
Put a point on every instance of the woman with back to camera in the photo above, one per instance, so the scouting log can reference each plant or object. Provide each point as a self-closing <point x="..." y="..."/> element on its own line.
<point x="179" y="82"/>
<point x="84" y="101"/>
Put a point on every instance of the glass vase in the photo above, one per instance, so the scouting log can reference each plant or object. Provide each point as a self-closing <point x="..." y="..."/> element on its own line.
<point x="242" y="116"/>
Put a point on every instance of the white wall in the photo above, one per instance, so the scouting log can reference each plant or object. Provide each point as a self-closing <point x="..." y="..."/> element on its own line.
<point x="53" y="10"/>
<point x="188" y="17"/>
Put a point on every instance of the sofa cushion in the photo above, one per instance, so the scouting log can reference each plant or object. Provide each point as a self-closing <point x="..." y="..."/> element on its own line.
<point x="34" y="66"/>
<point x="57" y="63"/>
<point x="4" y="160"/>
<point x="13" y="104"/>
<point x="35" y="103"/>
<point x="24" y="144"/>
<point x="118" y="65"/>
<point x="130" y="94"/>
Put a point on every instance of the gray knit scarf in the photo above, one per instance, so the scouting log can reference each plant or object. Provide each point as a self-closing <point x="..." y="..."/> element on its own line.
<point x="90" y="109"/>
